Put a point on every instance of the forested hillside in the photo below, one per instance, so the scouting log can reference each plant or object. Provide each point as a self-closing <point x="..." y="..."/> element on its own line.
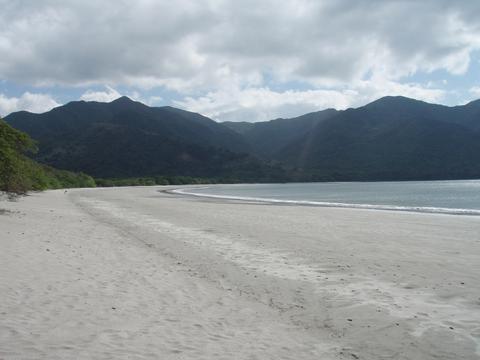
<point x="393" y="138"/>
<point x="19" y="174"/>
<point x="125" y="139"/>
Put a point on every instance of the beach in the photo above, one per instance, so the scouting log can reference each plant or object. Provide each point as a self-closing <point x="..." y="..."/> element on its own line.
<point x="140" y="273"/>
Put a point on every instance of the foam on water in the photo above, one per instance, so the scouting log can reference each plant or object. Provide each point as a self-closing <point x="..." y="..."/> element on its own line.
<point x="422" y="209"/>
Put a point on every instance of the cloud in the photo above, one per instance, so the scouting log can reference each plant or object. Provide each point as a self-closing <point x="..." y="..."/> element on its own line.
<point x="151" y="43"/>
<point x="261" y="104"/>
<point x="36" y="103"/>
<point x="108" y="95"/>
<point x="337" y="52"/>
<point x="255" y="104"/>
<point x="475" y="91"/>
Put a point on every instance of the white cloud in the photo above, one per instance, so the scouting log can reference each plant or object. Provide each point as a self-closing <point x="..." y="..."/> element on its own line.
<point x="154" y="100"/>
<point x="260" y="104"/>
<point x="223" y="57"/>
<point x="7" y="105"/>
<point x="370" y="90"/>
<point x="36" y="103"/>
<point x="108" y="95"/>
<point x="152" y="43"/>
<point x="256" y="104"/>
<point x="475" y="91"/>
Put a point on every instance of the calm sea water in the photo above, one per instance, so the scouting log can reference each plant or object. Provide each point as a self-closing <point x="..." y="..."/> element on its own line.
<point x="458" y="197"/>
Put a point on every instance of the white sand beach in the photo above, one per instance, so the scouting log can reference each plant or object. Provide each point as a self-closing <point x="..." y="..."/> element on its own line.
<point x="135" y="273"/>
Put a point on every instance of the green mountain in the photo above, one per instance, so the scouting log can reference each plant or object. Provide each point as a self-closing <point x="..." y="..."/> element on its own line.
<point x="393" y="138"/>
<point x="125" y="138"/>
<point x="265" y="139"/>
<point x="19" y="174"/>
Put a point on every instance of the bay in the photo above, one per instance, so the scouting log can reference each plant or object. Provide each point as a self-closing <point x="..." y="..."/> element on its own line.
<point x="452" y="196"/>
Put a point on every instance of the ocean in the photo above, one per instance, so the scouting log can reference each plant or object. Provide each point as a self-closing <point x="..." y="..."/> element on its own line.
<point x="451" y="197"/>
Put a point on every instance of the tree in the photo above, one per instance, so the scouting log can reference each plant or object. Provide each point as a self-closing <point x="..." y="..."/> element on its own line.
<point x="14" y="166"/>
<point x="19" y="174"/>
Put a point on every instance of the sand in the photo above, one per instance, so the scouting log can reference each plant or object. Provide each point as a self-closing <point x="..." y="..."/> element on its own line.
<point x="134" y="273"/>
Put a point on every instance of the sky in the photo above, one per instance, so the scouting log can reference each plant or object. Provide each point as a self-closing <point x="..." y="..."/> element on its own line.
<point x="238" y="60"/>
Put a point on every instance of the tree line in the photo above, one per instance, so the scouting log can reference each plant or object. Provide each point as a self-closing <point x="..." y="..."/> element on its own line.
<point x="20" y="174"/>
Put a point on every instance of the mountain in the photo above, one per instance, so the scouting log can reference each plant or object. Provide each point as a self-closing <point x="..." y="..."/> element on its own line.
<point x="20" y="174"/>
<point x="267" y="138"/>
<point x="393" y="138"/>
<point x="167" y="121"/>
<point x="125" y="138"/>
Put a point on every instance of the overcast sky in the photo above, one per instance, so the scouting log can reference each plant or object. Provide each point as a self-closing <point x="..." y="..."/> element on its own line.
<point x="238" y="60"/>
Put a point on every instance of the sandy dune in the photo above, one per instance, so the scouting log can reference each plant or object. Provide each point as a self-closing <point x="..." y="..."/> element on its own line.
<point x="135" y="273"/>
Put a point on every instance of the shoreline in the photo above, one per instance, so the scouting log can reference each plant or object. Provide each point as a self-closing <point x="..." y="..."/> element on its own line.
<point x="377" y="207"/>
<point x="139" y="273"/>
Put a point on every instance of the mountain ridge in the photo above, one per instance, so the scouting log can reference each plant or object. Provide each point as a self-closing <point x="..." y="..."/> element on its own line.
<point x="124" y="138"/>
<point x="391" y="138"/>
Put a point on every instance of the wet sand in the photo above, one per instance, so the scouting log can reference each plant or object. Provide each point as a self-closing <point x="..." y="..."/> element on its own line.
<point x="134" y="273"/>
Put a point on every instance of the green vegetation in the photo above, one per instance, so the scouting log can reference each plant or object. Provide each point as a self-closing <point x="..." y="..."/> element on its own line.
<point x="155" y="180"/>
<point x="126" y="143"/>
<point x="125" y="139"/>
<point x="19" y="174"/>
<point x="163" y="180"/>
